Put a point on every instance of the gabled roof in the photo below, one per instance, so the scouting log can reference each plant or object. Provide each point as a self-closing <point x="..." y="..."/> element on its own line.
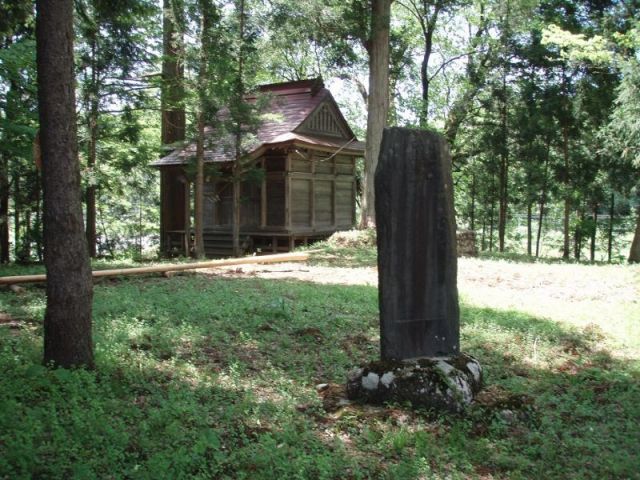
<point x="302" y="113"/>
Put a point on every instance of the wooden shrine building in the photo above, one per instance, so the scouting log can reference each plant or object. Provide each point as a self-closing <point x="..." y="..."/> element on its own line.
<point x="306" y="152"/>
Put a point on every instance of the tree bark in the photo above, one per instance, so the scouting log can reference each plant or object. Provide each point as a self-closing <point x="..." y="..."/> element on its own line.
<point x="612" y="212"/>
<point x="4" y="210"/>
<point x="199" y="188"/>
<point x="92" y="125"/>
<point x="172" y="97"/>
<point x="67" y="321"/>
<point x="17" y="208"/>
<point x="472" y="214"/>
<point x="173" y="118"/>
<point x="578" y="234"/>
<point x="202" y="92"/>
<point x="428" y="25"/>
<point x="529" y="228"/>
<point x="594" y="233"/>
<point x="565" y="154"/>
<point x="543" y="196"/>
<point x="378" y="103"/>
<point x="237" y="164"/>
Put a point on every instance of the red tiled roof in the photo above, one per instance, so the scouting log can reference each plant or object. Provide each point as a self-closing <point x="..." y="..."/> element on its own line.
<point x="291" y="104"/>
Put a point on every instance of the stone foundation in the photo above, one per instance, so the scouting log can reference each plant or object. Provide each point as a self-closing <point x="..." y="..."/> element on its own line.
<point x="448" y="384"/>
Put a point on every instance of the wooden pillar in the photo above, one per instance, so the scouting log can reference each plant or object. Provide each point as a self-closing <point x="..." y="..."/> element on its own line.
<point x="312" y="192"/>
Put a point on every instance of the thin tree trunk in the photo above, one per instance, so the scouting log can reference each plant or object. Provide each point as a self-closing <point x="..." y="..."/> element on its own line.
<point x="504" y="159"/>
<point x="199" y="188"/>
<point x="428" y="28"/>
<point x="565" y="154"/>
<point x="26" y="239"/>
<point x="205" y="25"/>
<point x="529" y="228"/>
<point x="105" y="233"/>
<point x="17" y="224"/>
<point x="540" y="221"/>
<point x="92" y="155"/>
<point x="472" y="215"/>
<point x="612" y="211"/>
<point x="578" y="236"/>
<point x="237" y="166"/>
<point x="483" y="244"/>
<point x="634" y="252"/>
<point x="491" y="219"/>
<point x="378" y="105"/>
<point x="543" y="196"/>
<point x="67" y="321"/>
<point x="594" y="233"/>
<point x="4" y="210"/>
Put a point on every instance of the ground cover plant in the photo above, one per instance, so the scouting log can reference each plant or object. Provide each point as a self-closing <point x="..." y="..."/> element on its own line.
<point x="229" y="375"/>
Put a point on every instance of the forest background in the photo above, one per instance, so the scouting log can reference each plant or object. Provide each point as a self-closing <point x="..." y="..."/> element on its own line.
<point x="540" y="101"/>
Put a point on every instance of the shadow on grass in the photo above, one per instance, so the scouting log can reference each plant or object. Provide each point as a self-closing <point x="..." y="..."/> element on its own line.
<point x="215" y="377"/>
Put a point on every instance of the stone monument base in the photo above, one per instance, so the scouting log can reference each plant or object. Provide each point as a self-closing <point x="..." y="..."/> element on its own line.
<point x="448" y="384"/>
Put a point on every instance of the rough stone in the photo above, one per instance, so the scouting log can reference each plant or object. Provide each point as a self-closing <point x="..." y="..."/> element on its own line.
<point x="439" y="383"/>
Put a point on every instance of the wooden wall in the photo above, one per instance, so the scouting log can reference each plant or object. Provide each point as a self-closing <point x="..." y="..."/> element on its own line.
<point x="301" y="191"/>
<point x="322" y="191"/>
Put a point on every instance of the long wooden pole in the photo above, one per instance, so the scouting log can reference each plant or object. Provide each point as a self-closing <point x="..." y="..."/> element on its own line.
<point x="281" y="257"/>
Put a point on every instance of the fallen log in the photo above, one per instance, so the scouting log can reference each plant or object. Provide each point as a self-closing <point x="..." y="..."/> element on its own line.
<point x="280" y="257"/>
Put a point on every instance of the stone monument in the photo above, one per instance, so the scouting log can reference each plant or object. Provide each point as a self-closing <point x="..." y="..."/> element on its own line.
<point x="417" y="266"/>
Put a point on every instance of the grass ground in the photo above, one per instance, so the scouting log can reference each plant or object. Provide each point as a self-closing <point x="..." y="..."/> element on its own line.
<point x="214" y="376"/>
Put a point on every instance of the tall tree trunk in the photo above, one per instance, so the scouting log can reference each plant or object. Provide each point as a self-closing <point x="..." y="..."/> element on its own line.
<point x="634" y="252"/>
<point x="199" y="188"/>
<point x="594" y="232"/>
<point x="67" y="321"/>
<point x="472" y="214"/>
<point x="199" y="183"/>
<point x="172" y="96"/>
<point x="172" y="120"/>
<point x="504" y="155"/>
<point x="483" y="243"/>
<point x="565" y="155"/>
<point x="428" y="25"/>
<point x="578" y="234"/>
<point x="612" y="211"/>
<point x="92" y="154"/>
<point x="543" y="195"/>
<point x="529" y="228"/>
<point x="491" y="222"/>
<point x="543" y="199"/>
<point x="378" y="105"/>
<point x="17" y="209"/>
<point x="4" y="210"/>
<point x="237" y="165"/>
<point x="25" y="252"/>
